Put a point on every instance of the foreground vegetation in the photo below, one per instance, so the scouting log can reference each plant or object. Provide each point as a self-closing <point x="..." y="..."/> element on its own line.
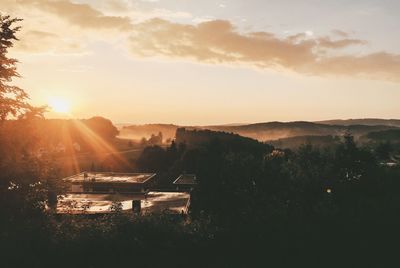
<point x="253" y="205"/>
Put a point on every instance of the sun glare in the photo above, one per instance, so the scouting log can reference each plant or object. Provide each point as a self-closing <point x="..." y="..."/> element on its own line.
<point x="59" y="105"/>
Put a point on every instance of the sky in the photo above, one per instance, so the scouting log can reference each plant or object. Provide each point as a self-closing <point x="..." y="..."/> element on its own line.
<point x="210" y="62"/>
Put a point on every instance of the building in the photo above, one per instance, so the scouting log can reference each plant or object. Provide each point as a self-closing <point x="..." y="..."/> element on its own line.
<point x="108" y="182"/>
<point x="98" y="192"/>
<point x="150" y="202"/>
<point x="185" y="182"/>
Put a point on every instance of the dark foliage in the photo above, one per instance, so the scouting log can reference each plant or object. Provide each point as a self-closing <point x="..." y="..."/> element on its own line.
<point x="253" y="206"/>
<point x="387" y="135"/>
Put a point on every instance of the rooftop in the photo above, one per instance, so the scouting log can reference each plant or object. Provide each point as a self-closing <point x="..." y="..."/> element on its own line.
<point x="110" y="177"/>
<point x="186" y="179"/>
<point x="173" y="202"/>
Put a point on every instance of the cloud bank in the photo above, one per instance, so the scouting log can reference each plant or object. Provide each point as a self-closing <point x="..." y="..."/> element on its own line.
<point x="218" y="41"/>
<point x="79" y="14"/>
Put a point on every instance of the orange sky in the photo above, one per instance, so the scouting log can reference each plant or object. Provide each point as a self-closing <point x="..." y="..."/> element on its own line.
<point x="212" y="62"/>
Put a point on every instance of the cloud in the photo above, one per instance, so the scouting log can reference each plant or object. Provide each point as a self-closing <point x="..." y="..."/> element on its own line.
<point x="27" y="44"/>
<point x="326" y="42"/>
<point x="33" y="41"/>
<point x="82" y="15"/>
<point x="117" y="5"/>
<point x="309" y="33"/>
<point x="218" y="41"/>
<point x="215" y="41"/>
<point x="341" y="33"/>
<point x="379" y="66"/>
<point x="212" y="41"/>
<point x="48" y="25"/>
<point x="165" y="13"/>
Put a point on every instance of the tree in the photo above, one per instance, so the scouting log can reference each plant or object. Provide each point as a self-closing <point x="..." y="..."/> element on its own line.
<point x="16" y="137"/>
<point x="25" y="177"/>
<point x="153" y="159"/>
<point x="156" y="139"/>
<point x="383" y="150"/>
<point x="13" y="100"/>
<point x="102" y="127"/>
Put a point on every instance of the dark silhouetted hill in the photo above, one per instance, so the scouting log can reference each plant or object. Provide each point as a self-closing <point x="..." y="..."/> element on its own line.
<point x="260" y="131"/>
<point x="235" y="142"/>
<point x="280" y="130"/>
<point x="363" y="121"/>
<point x="392" y="135"/>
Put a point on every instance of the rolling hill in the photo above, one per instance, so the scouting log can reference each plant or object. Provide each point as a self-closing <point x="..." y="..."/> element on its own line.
<point x="363" y="121"/>
<point x="261" y="131"/>
<point x="279" y="130"/>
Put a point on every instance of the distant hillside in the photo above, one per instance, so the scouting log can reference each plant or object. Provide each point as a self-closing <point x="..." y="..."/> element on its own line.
<point x="392" y="135"/>
<point x="365" y="121"/>
<point x="296" y="142"/>
<point x="280" y="130"/>
<point x="139" y="131"/>
<point x="199" y="138"/>
<point x="260" y="131"/>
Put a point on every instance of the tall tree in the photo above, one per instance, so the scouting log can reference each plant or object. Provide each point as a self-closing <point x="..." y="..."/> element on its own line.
<point x="13" y="100"/>
<point x="18" y="138"/>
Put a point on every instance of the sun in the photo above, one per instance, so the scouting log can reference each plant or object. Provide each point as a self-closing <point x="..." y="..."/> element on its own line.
<point x="59" y="105"/>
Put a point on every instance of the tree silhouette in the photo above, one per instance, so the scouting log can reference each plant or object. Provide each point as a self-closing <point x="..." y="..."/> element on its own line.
<point x="384" y="150"/>
<point x="13" y="100"/>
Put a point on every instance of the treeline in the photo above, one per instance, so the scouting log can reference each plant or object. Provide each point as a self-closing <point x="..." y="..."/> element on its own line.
<point x="236" y="172"/>
<point x="37" y="145"/>
<point x="56" y="135"/>
<point x="296" y="142"/>
<point x="392" y="135"/>
<point x="337" y="201"/>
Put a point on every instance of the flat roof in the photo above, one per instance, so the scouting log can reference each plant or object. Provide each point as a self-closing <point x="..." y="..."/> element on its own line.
<point x="153" y="202"/>
<point x="110" y="177"/>
<point x="175" y="202"/>
<point x="186" y="179"/>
